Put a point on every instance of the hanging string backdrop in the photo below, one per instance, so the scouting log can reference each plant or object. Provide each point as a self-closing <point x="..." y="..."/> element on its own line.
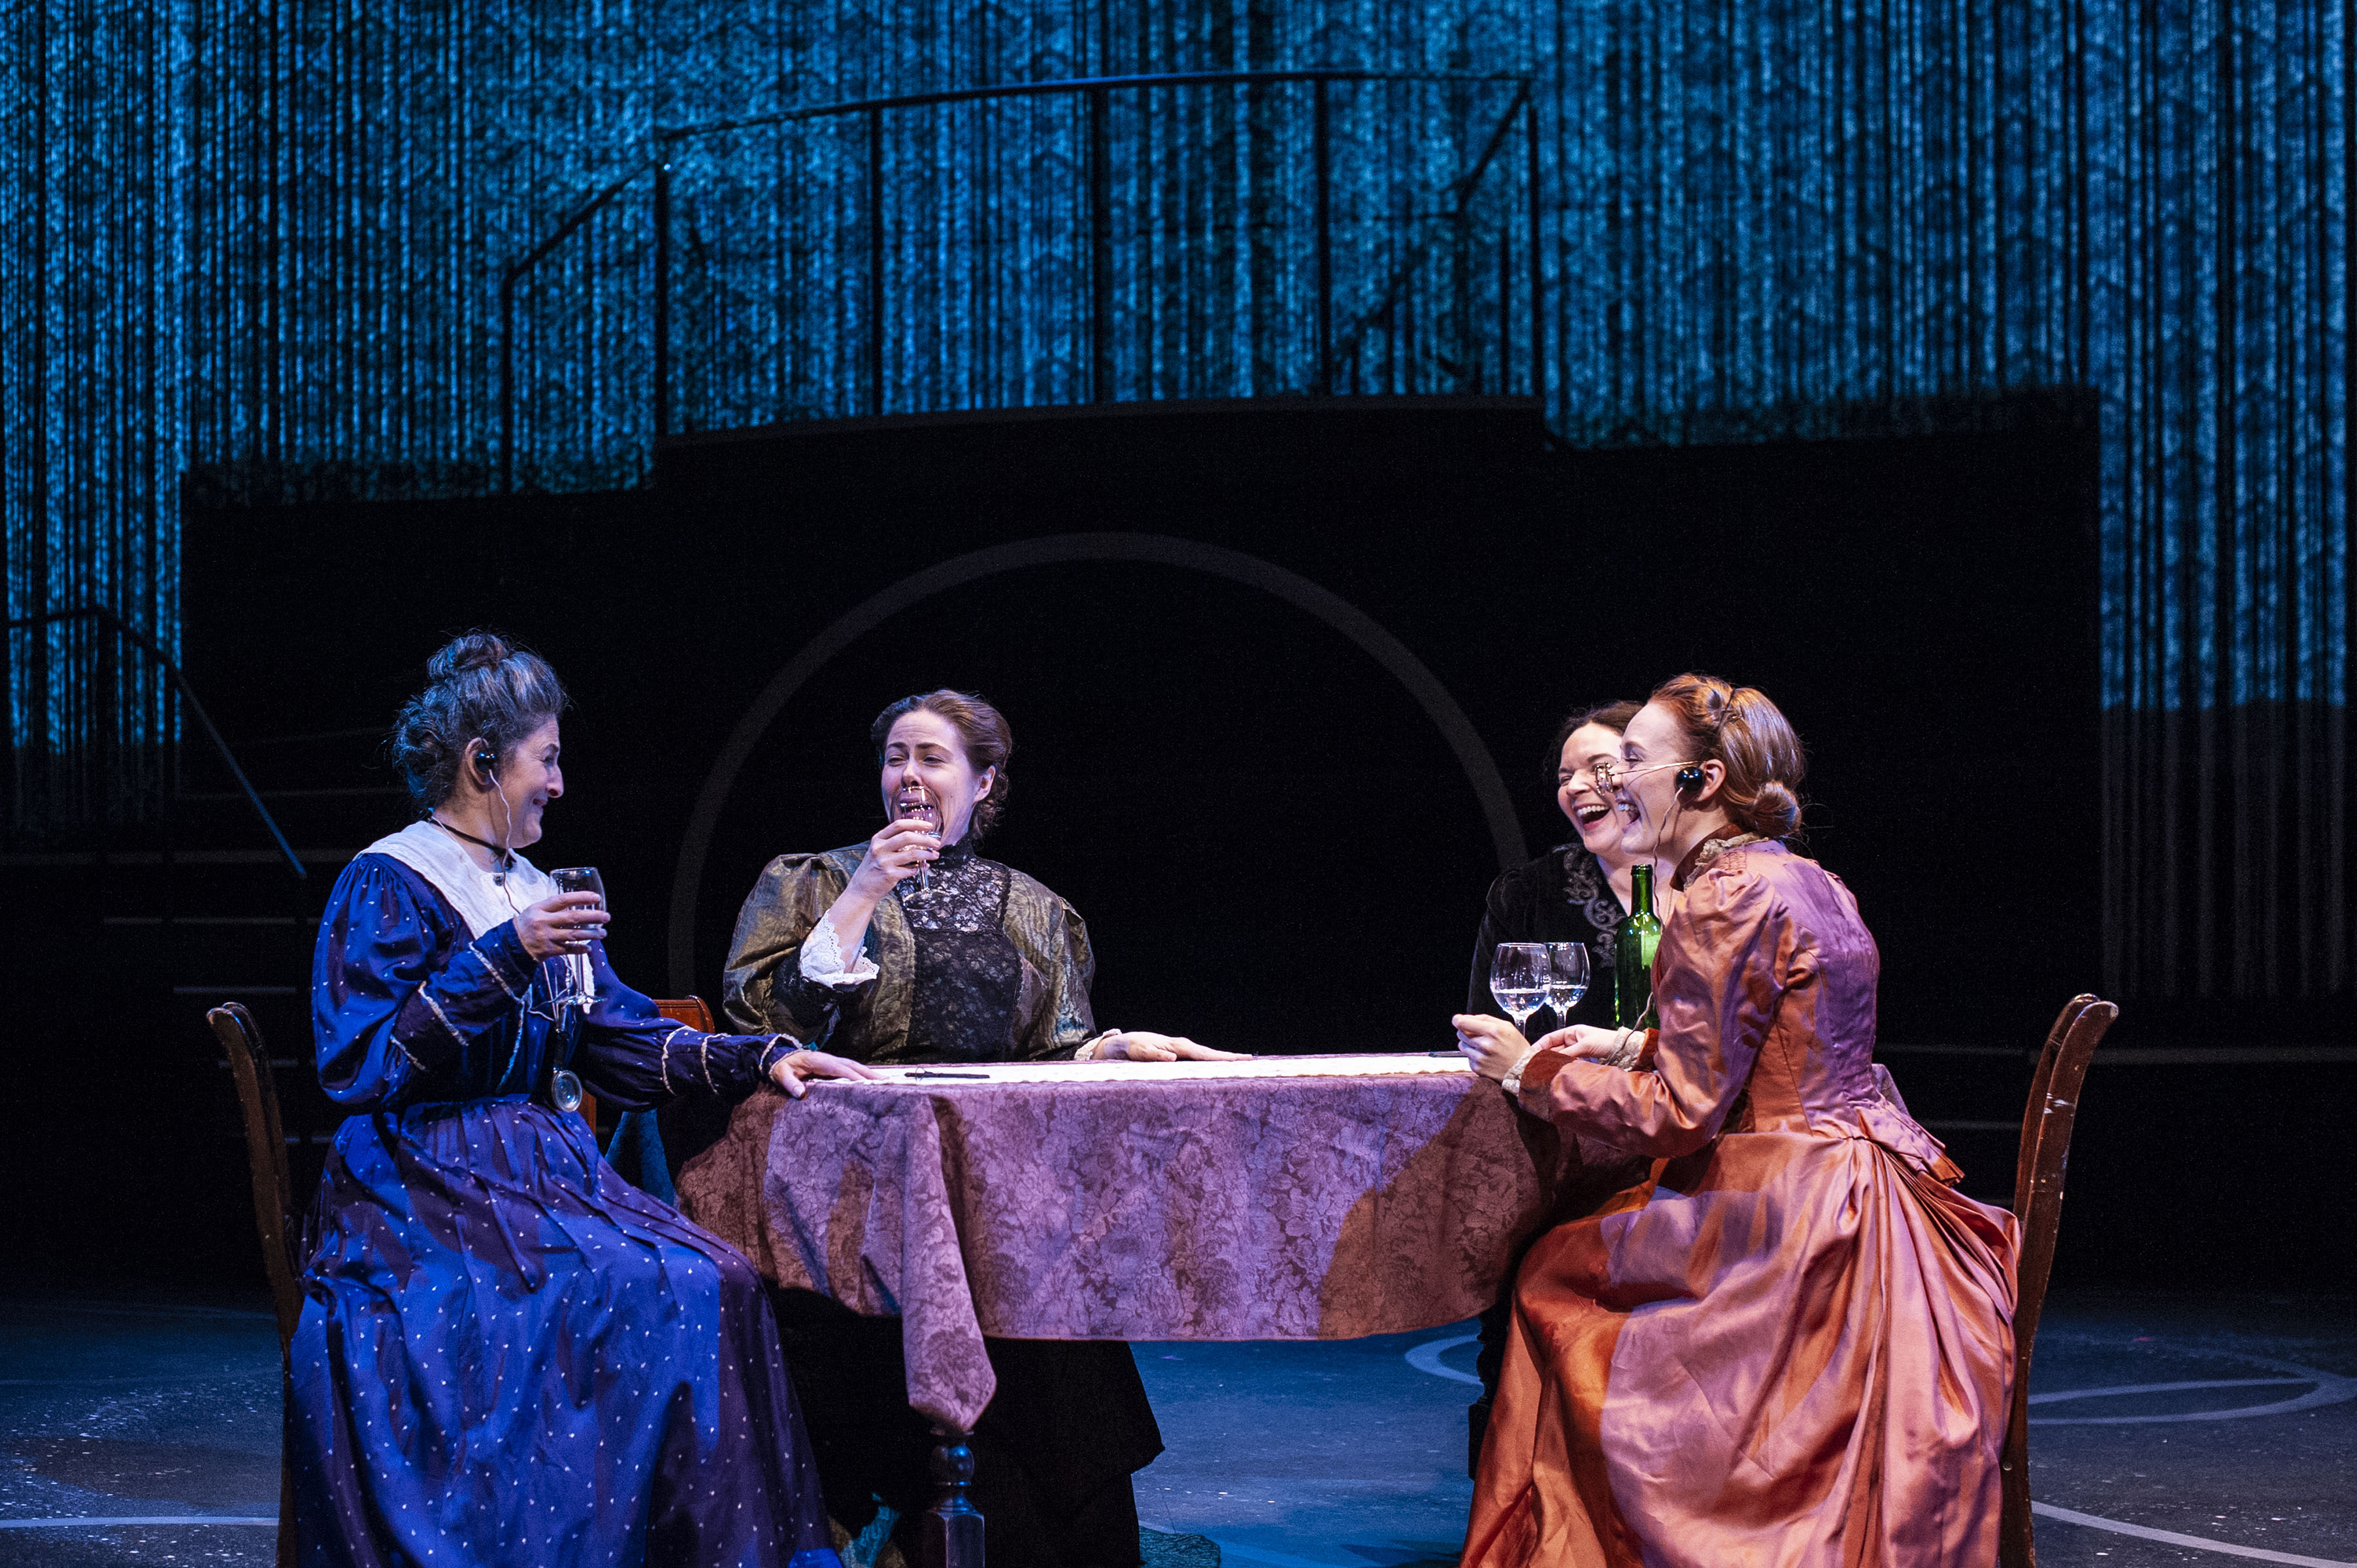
<point x="257" y="248"/>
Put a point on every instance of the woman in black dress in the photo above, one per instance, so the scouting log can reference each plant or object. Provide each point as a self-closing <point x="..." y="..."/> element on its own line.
<point x="1576" y="892"/>
<point x="912" y="948"/>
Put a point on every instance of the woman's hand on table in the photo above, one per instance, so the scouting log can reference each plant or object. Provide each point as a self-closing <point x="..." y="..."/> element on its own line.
<point x="897" y="851"/>
<point x="1494" y="1045"/>
<point x="1584" y="1040"/>
<point x="789" y="1071"/>
<point x="1491" y="1045"/>
<point x="1144" y="1045"/>
<point x="567" y="923"/>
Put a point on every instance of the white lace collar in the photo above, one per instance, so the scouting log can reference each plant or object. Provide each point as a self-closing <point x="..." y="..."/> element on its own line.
<point x="483" y="899"/>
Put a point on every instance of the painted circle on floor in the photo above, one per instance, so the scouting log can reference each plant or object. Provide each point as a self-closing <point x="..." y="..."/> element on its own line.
<point x="2321" y="1388"/>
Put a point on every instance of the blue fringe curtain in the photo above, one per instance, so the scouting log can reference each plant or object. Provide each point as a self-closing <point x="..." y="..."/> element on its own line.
<point x="256" y="247"/>
<point x="91" y="436"/>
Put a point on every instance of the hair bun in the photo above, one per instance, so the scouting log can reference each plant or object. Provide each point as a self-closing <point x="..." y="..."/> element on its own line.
<point x="1777" y="812"/>
<point x="484" y="688"/>
<point x="475" y="650"/>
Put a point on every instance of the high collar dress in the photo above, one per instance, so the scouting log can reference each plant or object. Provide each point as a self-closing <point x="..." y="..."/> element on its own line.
<point x="1792" y="1346"/>
<point x="506" y="1353"/>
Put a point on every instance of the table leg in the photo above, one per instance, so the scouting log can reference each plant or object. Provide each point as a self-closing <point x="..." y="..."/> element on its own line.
<point x="951" y="1536"/>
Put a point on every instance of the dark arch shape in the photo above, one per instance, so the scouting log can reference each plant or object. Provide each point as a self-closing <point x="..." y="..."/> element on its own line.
<point x="1153" y="549"/>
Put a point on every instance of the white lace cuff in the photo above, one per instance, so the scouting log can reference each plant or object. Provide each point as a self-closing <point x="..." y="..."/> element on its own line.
<point x="822" y="961"/>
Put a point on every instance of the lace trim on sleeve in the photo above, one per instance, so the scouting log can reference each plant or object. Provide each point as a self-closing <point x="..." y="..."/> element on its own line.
<point x="1628" y="1050"/>
<point x="822" y="961"/>
<point x="440" y="1017"/>
<point x="491" y="963"/>
<point x="662" y="1063"/>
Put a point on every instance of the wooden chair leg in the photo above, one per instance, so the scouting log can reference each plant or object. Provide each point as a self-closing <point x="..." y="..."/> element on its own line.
<point x="285" y="1511"/>
<point x="951" y="1534"/>
<point x="2016" y="1545"/>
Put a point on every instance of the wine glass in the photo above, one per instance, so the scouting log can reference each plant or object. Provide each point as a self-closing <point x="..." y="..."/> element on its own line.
<point x="927" y="810"/>
<point x="1518" y="979"/>
<point x="579" y="985"/>
<point x="1566" y="977"/>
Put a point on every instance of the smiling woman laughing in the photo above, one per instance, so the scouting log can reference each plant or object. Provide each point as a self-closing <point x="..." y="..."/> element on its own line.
<point x="913" y="948"/>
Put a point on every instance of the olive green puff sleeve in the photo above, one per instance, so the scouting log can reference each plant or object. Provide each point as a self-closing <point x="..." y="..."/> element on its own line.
<point x="1054" y="941"/>
<point x="764" y="990"/>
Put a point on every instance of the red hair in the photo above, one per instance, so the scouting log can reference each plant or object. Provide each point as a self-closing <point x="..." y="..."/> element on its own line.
<point x="1740" y="728"/>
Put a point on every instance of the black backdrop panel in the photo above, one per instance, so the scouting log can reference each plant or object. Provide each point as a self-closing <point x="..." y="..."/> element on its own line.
<point x="1273" y="843"/>
<point x="1272" y="840"/>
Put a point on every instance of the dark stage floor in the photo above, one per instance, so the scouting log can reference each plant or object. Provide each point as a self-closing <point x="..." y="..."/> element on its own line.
<point x="2209" y="1429"/>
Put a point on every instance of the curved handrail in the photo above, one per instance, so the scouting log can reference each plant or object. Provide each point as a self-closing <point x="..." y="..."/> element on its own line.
<point x="661" y="143"/>
<point x="146" y="644"/>
<point x="1080" y="84"/>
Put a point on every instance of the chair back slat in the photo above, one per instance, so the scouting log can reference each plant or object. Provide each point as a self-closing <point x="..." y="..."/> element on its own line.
<point x="688" y="1010"/>
<point x="266" y="1154"/>
<point x="2033" y="1119"/>
<point x="2046" y="1125"/>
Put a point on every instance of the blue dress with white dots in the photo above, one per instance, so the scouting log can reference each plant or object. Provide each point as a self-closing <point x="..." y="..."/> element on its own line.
<point x="508" y="1354"/>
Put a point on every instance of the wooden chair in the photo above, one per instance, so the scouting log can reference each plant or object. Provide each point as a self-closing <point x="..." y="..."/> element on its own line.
<point x="688" y="1010"/>
<point x="2038" y="1204"/>
<point x="265" y="1153"/>
<point x="273" y="1213"/>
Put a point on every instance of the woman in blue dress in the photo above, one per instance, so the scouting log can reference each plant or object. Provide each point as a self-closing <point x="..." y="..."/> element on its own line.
<point x="507" y="1354"/>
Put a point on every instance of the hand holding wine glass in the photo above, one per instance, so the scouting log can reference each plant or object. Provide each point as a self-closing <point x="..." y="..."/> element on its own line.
<point x="580" y="984"/>
<point x="903" y="848"/>
<point x="567" y="923"/>
<point x="1490" y="1045"/>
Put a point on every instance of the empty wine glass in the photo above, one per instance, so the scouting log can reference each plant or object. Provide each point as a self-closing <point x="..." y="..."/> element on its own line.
<point x="1518" y="979"/>
<point x="578" y="985"/>
<point x="1567" y="978"/>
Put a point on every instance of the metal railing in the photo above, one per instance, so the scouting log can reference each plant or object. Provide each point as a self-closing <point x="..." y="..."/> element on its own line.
<point x="1098" y="93"/>
<point x="145" y="644"/>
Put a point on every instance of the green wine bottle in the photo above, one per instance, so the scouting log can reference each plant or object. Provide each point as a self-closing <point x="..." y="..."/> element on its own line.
<point x="1634" y="943"/>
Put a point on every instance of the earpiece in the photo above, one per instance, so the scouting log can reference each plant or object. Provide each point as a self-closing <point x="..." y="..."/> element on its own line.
<point x="1689" y="779"/>
<point x="484" y="763"/>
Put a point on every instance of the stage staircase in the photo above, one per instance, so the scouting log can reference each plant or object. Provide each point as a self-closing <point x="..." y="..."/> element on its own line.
<point x="159" y="923"/>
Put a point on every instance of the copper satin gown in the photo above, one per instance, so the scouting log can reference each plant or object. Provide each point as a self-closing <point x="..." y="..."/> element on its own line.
<point x="1793" y="1345"/>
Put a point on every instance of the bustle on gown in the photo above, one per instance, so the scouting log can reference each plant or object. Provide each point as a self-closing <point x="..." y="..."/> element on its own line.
<point x="1792" y="1345"/>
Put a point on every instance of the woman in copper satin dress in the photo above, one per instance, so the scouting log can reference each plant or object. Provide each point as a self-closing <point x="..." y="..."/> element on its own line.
<point x="1793" y="1344"/>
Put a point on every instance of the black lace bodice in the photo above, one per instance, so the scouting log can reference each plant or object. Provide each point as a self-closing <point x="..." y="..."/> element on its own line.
<point x="969" y="978"/>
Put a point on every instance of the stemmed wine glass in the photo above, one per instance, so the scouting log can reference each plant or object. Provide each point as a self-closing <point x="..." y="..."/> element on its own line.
<point x="580" y="985"/>
<point x="929" y="811"/>
<point x="1519" y="972"/>
<point x="1567" y="978"/>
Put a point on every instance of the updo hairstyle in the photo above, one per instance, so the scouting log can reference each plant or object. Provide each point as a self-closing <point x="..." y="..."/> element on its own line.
<point x="1740" y="728"/>
<point x="1614" y="716"/>
<point x="478" y="684"/>
<point x="987" y="740"/>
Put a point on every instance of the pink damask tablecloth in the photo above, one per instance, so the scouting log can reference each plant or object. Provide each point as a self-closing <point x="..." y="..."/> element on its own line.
<point x="1284" y="1198"/>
